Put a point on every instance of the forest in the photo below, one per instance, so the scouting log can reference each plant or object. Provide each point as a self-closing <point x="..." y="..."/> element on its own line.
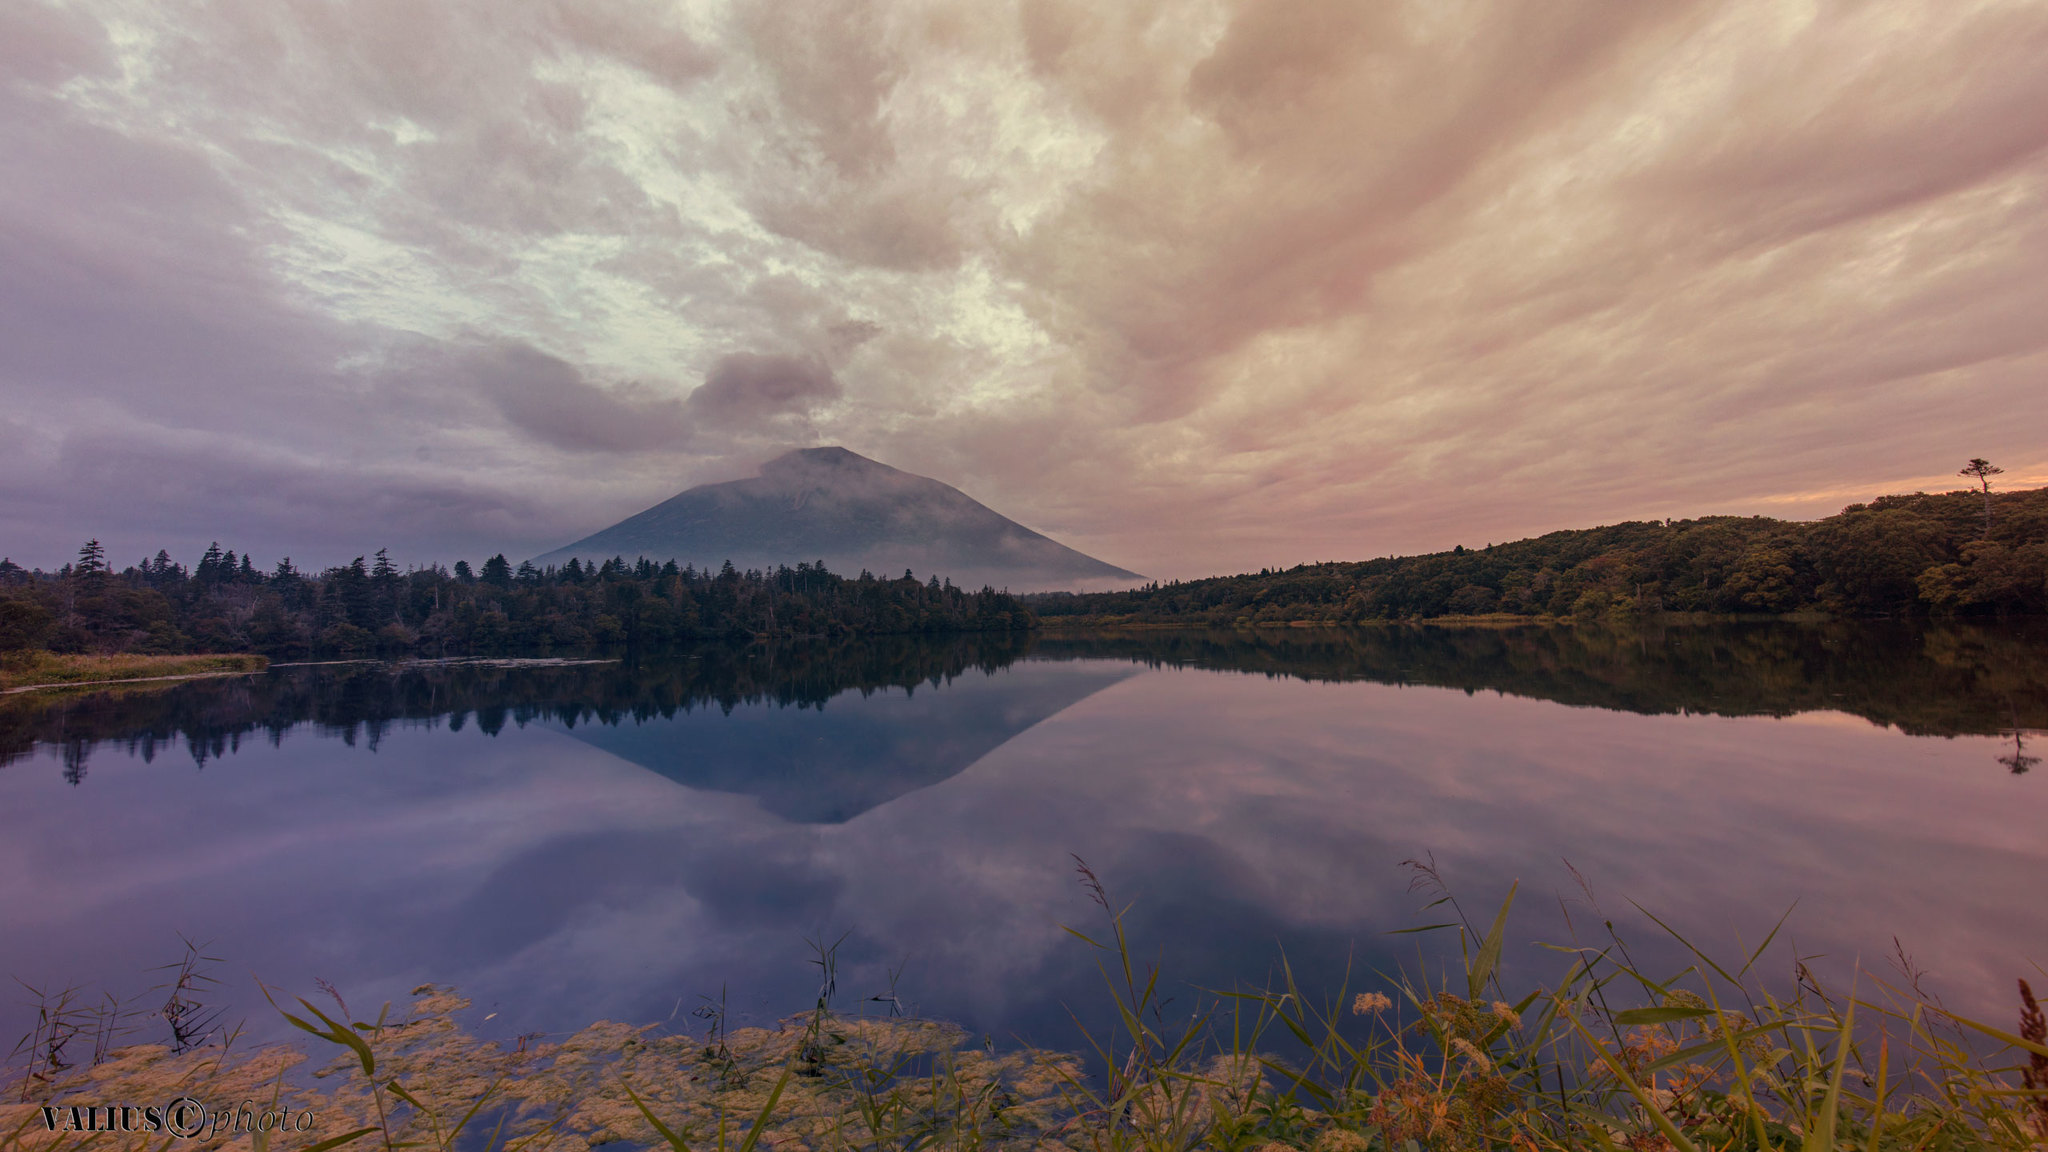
<point x="1954" y="554"/>
<point x="1961" y="553"/>
<point x="226" y="604"/>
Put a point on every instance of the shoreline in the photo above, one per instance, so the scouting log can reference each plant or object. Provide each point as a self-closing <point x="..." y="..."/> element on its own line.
<point x="1490" y="620"/>
<point x="41" y="671"/>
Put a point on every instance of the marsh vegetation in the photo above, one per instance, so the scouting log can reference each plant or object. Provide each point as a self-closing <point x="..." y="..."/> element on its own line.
<point x="1750" y="1054"/>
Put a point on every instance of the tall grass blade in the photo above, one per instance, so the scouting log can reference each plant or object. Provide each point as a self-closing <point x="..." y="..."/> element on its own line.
<point x="2018" y="1042"/>
<point x="674" y="1141"/>
<point x="1488" y="959"/>
<point x="1820" y="1134"/>
<point x="767" y="1110"/>
<point x="338" y="1141"/>
<point x="1621" y="1073"/>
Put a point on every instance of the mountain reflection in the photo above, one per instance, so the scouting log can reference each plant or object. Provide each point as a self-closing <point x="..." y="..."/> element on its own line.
<point x="1939" y="680"/>
<point x="828" y="765"/>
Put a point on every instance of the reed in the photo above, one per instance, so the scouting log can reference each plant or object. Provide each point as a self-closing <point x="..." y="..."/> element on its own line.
<point x="1710" y="1058"/>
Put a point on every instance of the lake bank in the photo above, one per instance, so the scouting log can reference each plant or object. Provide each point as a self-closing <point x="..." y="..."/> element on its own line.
<point x="26" y="671"/>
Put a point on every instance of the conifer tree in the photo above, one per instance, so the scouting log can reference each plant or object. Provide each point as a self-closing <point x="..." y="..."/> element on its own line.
<point x="1982" y="471"/>
<point x="498" y="571"/>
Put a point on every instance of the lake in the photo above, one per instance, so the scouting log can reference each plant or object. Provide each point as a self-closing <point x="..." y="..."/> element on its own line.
<point x="571" y="840"/>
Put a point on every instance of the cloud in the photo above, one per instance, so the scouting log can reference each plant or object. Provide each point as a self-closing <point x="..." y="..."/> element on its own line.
<point x="1193" y="287"/>
<point x="549" y="400"/>
<point x="745" y="391"/>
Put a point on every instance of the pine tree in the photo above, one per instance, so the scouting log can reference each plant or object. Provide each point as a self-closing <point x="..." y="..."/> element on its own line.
<point x="1982" y="471"/>
<point x="498" y="571"/>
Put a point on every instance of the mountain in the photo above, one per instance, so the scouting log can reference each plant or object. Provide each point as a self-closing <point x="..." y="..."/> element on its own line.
<point x="853" y="513"/>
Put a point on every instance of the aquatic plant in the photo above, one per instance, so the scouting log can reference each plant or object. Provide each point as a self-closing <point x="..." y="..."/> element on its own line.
<point x="1609" y="1056"/>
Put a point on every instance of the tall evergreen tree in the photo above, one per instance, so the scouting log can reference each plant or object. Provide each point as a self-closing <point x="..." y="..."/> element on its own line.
<point x="1982" y="471"/>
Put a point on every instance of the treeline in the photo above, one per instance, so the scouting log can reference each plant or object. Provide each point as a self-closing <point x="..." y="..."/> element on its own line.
<point x="1951" y="554"/>
<point x="227" y="604"/>
<point x="361" y="703"/>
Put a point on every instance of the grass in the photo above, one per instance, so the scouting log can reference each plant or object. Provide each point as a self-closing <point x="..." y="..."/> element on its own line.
<point x="36" y="668"/>
<point x="1606" y="1056"/>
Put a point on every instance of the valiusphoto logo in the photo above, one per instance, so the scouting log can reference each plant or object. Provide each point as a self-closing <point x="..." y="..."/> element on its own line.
<point x="183" y="1118"/>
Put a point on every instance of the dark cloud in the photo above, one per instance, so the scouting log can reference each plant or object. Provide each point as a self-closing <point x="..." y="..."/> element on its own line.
<point x="746" y="390"/>
<point x="138" y="490"/>
<point x="549" y="400"/>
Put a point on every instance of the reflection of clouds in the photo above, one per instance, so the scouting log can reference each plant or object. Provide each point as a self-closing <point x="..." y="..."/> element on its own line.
<point x="1239" y="813"/>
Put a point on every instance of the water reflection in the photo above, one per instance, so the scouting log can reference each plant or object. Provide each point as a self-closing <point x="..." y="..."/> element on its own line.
<point x="826" y="765"/>
<point x="2018" y="762"/>
<point x="1941" y="680"/>
<point x="1948" y="680"/>
<point x="569" y="842"/>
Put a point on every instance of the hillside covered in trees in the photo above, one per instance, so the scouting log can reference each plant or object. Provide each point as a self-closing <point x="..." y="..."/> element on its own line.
<point x="1911" y="555"/>
<point x="227" y="604"/>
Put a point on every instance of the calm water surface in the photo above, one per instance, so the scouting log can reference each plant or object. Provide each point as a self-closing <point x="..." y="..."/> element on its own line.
<point x="571" y="842"/>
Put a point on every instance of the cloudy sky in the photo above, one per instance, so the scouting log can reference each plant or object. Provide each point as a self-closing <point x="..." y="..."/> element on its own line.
<point x="1194" y="286"/>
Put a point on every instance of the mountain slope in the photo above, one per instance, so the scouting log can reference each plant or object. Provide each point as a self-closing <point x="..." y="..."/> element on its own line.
<point x="853" y="513"/>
